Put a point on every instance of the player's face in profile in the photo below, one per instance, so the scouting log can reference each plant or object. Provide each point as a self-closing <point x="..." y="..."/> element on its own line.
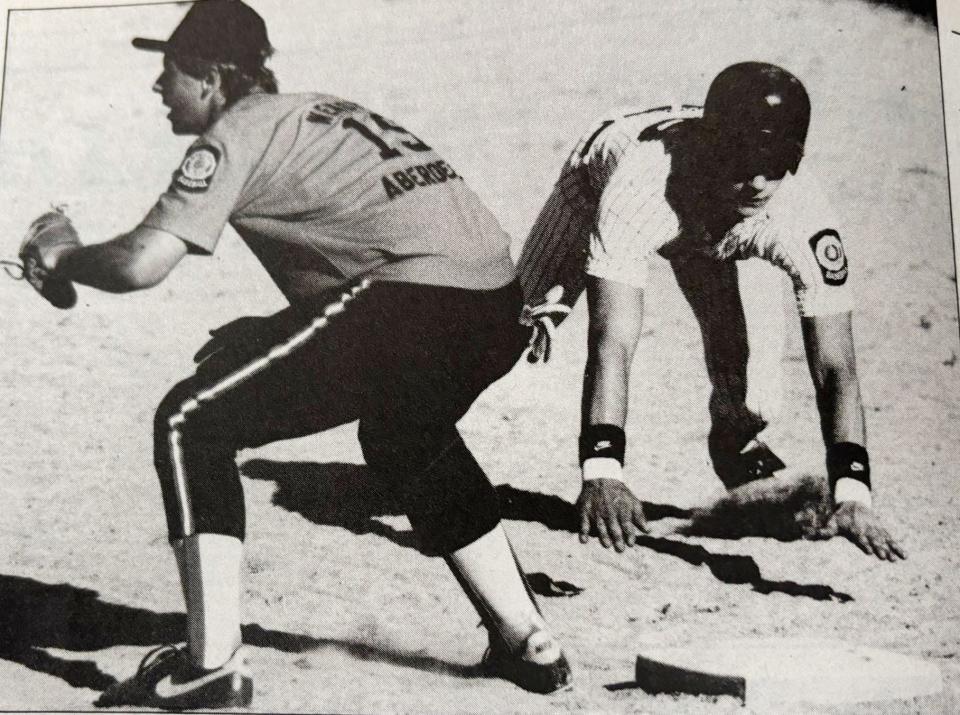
<point x="184" y="95"/>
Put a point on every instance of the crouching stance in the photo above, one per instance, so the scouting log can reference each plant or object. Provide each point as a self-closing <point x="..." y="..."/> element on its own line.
<point x="705" y="187"/>
<point x="403" y="309"/>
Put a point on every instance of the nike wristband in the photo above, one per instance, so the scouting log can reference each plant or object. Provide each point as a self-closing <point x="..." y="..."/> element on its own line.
<point x="604" y="440"/>
<point x="848" y="472"/>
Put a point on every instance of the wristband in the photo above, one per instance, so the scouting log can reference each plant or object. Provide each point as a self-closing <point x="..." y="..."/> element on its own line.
<point x="848" y="472"/>
<point x="602" y="441"/>
<point x="602" y="468"/>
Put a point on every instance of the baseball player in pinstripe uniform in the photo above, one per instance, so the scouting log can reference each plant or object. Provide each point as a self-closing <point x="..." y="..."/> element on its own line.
<point x="704" y="187"/>
<point x="403" y="309"/>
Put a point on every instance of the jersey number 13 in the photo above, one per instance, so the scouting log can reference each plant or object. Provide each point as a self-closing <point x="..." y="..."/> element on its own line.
<point x="385" y="126"/>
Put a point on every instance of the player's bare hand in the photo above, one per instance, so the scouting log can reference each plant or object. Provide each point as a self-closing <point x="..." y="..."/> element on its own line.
<point x="861" y="525"/>
<point x="609" y="509"/>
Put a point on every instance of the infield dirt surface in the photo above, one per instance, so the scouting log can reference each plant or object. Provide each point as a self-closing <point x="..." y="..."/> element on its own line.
<point x="342" y="611"/>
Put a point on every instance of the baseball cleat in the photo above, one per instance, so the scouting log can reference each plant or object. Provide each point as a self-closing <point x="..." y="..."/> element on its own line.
<point x="167" y="680"/>
<point x="757" y="461"/>
<point x="540" y="668"/>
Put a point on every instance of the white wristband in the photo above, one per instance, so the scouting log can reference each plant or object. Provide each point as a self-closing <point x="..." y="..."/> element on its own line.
<point x="848" y="489"/>
<point x="602" y="468"/>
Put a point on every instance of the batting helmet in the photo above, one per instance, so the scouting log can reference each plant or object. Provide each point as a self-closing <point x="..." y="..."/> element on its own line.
<point x="758" y="115"/>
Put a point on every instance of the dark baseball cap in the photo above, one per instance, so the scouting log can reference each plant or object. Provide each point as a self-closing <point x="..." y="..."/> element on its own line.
<point x="219" y="31"/>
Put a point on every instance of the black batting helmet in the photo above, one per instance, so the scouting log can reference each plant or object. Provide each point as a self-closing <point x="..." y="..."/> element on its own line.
<point x="757" y="115"/>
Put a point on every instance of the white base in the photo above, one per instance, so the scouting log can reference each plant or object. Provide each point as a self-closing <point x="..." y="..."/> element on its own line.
<point x="768" y="671"/>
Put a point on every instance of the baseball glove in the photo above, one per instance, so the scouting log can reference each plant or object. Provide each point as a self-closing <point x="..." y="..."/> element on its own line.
<point x="47" y="234"/>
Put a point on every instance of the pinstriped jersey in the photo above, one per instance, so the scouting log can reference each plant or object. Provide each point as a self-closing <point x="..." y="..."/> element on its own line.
<point x="633" y="196"/>
<point x="325" y="191"/>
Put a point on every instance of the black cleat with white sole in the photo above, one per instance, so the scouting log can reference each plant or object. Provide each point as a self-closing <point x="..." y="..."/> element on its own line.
<point x="756" y="461"/>
<point x="541" y="667"/>
<point x="166" y="679"/>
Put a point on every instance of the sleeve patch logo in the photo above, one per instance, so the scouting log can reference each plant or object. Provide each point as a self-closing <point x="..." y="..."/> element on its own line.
<point x="828" y="250"/>
<point x="198" y="167"/>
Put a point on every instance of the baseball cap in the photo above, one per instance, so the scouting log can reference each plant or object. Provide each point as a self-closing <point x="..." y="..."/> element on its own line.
<point x="219" y="31"/>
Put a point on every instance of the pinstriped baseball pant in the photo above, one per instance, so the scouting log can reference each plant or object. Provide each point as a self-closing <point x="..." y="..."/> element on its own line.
<point x="406" y="360"/>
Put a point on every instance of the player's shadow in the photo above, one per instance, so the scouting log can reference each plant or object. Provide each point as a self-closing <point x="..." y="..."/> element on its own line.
<point x="35" y="616"/>
<point x="335" y="494"/>
<point x="351" y="496"/>
<point x="559" y="514"/>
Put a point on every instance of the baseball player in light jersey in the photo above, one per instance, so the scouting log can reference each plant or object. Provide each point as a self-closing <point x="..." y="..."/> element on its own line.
<point x="705" y="188"/>
<point x="403" y="309"/>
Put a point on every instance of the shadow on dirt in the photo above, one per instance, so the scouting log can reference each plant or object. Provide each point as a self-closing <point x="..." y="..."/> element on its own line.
<point x="35" y="616"/>
<point x="351" y="497"/>
<point x="558" y="514"/>
<point x="335" y="494"/>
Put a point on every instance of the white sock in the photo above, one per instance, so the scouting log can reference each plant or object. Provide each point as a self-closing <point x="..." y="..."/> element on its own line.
<point x="179" y="552"/>
<point x="488" y="566"/>
<point x="209" y="566"/>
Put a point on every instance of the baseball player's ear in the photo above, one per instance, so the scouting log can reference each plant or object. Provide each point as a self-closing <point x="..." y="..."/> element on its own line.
<point x="212" y="80"/>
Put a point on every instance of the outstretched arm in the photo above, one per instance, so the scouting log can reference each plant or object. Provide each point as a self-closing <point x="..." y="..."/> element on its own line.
<point x="606" y="504"/>
<point x="828" y="340"/>
<point x="830" y="353"/>
<point x="133" y="261"/>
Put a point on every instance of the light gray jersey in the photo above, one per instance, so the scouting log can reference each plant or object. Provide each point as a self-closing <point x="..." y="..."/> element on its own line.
<point x="324" y="192"/>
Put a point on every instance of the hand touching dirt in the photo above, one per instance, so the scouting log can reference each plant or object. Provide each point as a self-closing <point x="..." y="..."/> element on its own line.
<point x="861" y="525"/>
<point x="609" y="509"/>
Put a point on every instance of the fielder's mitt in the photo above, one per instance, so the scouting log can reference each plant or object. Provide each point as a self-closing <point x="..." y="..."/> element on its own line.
<point x="48" y="233"/>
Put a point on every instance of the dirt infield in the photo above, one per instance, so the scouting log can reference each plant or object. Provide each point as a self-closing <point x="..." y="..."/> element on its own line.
<point x="342" y="611"/>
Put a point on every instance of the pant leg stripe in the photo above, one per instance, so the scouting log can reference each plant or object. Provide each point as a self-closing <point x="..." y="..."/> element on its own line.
<point x="180" y="482"/>
<point x="278" y="352"/>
